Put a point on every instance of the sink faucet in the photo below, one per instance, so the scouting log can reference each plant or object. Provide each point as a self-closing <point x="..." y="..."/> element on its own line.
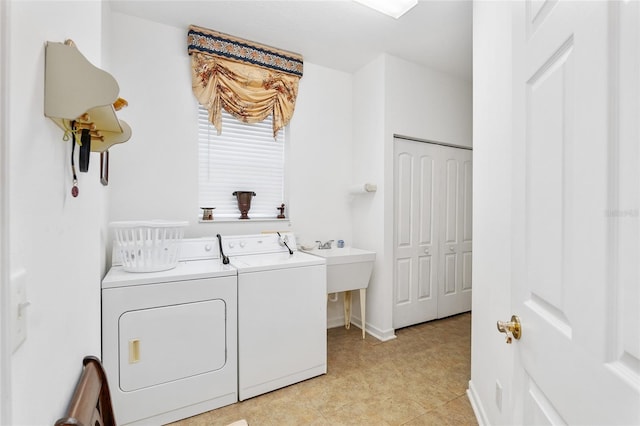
<point x="324" y="246"/>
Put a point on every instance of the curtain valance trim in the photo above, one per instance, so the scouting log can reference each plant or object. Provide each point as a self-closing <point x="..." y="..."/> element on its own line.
<point x="223" y="45"/>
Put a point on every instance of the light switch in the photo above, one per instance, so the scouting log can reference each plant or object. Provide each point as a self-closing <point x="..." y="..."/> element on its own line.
<point x="19" y="304"/>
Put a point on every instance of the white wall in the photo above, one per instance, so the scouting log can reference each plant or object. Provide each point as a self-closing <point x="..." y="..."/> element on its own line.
<point x="320" y="160"/>
<point x="368" y="209"/>
<point x="491" y="357"/>
<point x="55" y="238"/>
<point x="154" y="174"/>
<point x="427" y="104"/>
<point x="393" y="96"/>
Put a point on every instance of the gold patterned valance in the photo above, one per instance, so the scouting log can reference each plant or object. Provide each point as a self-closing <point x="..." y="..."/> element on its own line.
<point x="249" y="80"/>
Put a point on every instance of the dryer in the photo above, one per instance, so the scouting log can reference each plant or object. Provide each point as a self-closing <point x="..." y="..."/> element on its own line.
<point x="282" y="312"/>
<point x="169" y="339"/>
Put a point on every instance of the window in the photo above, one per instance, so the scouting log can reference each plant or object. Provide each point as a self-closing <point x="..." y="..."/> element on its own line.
<point x="245" y="157"/>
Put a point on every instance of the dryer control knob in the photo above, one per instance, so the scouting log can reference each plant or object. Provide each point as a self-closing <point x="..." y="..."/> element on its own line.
<point x="207" y="247"/>
<point x="243" y="243"/>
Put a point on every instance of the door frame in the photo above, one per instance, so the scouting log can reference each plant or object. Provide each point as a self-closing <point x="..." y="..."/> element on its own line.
<point x="5" y="332"/>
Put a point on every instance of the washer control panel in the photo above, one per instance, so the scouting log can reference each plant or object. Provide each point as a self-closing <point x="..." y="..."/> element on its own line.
<point x="239" y="245"/>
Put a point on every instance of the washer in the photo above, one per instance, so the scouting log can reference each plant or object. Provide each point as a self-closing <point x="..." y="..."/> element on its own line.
<point x="169" y="339"/>
<point x="282" y="312"/>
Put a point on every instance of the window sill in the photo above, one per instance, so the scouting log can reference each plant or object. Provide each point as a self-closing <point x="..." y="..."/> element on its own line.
<point x="236" y="220"/>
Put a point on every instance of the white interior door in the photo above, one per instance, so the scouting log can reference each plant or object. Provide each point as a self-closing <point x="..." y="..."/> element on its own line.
<point x="575" y="212"/>
<point x="416" y="239"/>
<point x="454" y="283"/>
<point x="432" y="237"/>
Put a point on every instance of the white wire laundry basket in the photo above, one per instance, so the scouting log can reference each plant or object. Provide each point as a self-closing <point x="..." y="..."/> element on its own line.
<point x="148" y="246"/>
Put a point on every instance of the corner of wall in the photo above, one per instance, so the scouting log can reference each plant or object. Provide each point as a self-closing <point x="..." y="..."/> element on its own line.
<point x="369" y="165"/>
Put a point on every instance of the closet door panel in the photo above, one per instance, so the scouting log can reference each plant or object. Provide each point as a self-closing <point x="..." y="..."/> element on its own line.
<point x="433" y="233"/>
<point x="454" y="294"/>
<point x="415" y="267"/>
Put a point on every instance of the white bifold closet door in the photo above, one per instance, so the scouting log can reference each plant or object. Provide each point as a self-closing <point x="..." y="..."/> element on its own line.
<point x="432" y="235"/>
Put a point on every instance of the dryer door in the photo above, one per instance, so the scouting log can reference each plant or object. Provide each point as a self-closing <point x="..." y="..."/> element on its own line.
<point x="168" y="343"/>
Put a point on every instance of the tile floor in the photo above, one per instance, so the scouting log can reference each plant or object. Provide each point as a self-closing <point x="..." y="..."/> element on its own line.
<point x="419" y="378"/>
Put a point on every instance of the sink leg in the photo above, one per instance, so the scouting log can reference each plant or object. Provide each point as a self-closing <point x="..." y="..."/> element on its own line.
<point x="347" y="309"/>
<point x="363" y="308"/>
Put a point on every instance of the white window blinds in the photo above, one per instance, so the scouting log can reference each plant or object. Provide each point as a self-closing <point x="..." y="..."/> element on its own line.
<point x="245" y="157"/>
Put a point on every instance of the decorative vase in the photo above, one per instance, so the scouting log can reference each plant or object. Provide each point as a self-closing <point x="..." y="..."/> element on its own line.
<point x="244" y="202"/>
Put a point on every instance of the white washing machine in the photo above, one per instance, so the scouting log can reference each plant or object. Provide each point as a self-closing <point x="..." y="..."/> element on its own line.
<point x="169" y="339"/>
<point x="282" y="312"/>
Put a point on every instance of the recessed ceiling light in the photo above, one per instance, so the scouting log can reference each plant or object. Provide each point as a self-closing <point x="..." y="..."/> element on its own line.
<point x="393" y="8"/>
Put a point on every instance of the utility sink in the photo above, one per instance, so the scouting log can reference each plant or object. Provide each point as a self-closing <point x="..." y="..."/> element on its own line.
<point x="348" y="268"/>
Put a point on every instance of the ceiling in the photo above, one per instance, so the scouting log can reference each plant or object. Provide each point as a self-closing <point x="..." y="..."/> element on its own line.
<point x="339" y="34"/>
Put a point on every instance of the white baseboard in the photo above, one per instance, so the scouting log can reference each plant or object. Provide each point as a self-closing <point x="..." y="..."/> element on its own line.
<point x="478" y="410"/>
<point x="335" y="322"/>
<point x="382" y="335"/>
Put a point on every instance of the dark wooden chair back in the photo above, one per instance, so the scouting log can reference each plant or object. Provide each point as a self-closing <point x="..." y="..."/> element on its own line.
<point x="91" y="401"/>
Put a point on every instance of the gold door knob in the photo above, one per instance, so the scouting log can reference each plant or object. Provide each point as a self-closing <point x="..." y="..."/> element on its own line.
<point x="512" y="328"/>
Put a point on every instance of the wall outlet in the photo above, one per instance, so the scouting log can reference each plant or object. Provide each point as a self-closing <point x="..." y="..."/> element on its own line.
<point x="18" y="320"/>
<point x="499" y="395"/>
